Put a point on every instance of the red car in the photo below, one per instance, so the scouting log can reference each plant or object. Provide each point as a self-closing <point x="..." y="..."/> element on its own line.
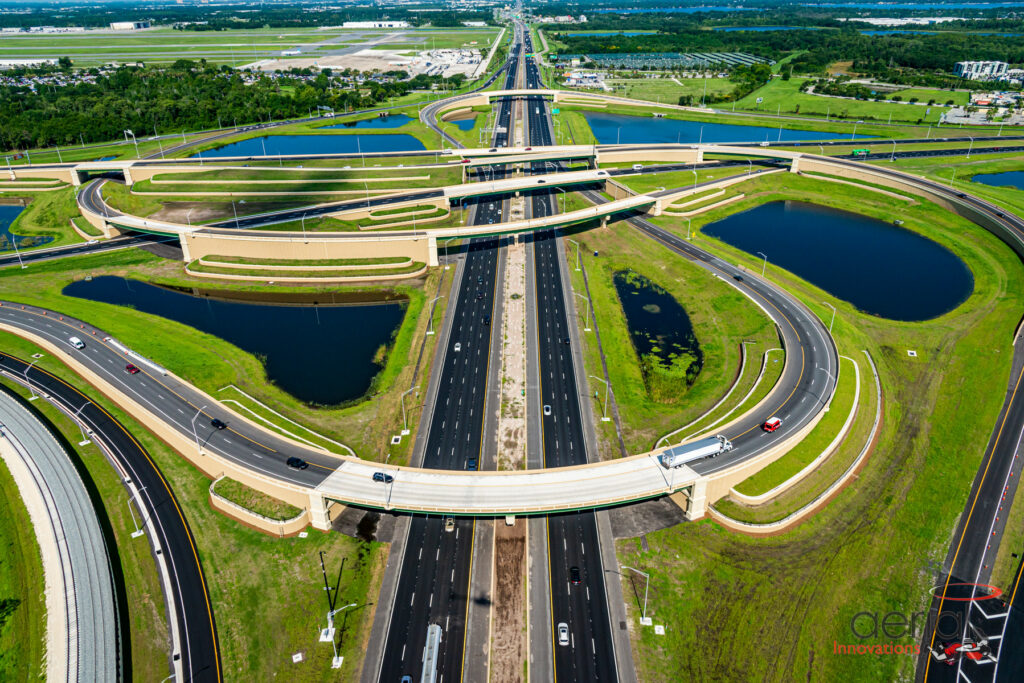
<point x="131" y="369"/>
<point x="771" y="424"/>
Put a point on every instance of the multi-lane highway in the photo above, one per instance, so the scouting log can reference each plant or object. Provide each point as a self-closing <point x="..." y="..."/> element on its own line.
<point x="433" y="587"/>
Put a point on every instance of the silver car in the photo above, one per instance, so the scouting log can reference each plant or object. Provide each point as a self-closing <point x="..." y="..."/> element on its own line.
<point x="563" y="633"/>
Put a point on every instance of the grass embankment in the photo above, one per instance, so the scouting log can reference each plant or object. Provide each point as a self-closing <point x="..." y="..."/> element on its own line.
<point x="271" y="273"/>
<point x="668" y="89"/>
<point x="721" y="319"/>
<point x="210" y="363"/>
<point x="22" y="607"/>
<point x="814" y="443"/>
<point x="253" y="500"/>
<point x="258" y="585"/>
<point x="869" y="549"/>
<point x="384" y="260"/>
<point x="652" y="182"/>
<point x="471" y="136"/>
<point x="785" y="97"/>
<point x="143" y="594"/>
<point x="46" y="214"/>
<point x="957" y="171"/>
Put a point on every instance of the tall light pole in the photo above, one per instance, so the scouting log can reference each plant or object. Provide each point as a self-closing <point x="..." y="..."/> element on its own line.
<point x="604" y="411"/>
<point x="854" y="134"/>
<point x="586" y="321"/>
<point x="14" y="243"/>
<point x="643" y="615"/>
<point x="328" y="634"/>
<point x="687" y="226"/>
<point x="303" y="228"/>
<point x="430" y="320"/>
<point x="128" y="132"/>
<point x="188" y="216"/>
<point x="892" y="157"/>
<point x="763" y="265"/>
<point x="577" y="254"/>
<point x="694" y="172"/>
<point x="28" y="382"/>
<point x="833" y="315"/>
<point x="405" y="423"/>
<point x="85" y="440"/>
<point x="970" y="147"/>
<point x="562" y="190"/>
<point x="196" y="433"/>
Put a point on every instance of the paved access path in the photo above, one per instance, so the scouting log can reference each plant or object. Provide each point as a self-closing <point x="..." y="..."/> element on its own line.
<point x="81" y="622"/>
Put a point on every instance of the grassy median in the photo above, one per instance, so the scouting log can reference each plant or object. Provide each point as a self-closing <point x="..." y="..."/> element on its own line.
<point x="871" y="547"/>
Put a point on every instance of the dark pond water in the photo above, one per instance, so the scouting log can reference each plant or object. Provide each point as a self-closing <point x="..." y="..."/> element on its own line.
<point x="465" y="124"/>
<point x="612" y="128"/>
<point x="659" y="326"/>
<point x="755" y="29"/>
<point x="391" y="121"/>
<point x="879" y="267"/>
<point x="271" y="145"/>
<point x="8" y="212"/>
<point x="1014" y="179"/>
<point x="321" y="354"/>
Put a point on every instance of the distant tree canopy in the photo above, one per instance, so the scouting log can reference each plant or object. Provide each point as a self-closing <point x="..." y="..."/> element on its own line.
<point x="185" y="96"/>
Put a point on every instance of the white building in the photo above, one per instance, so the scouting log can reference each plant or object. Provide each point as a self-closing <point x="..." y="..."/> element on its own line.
<point x="475" y="24"/>
<point x="128" y="25"/>
<point x="980" y="71"/>
<point x="25" y="63"/>
<point x="375" y="24"/>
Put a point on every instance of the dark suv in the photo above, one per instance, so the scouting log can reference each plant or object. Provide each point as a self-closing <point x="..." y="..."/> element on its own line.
<point x="383" y="477"/>
<point x="297" y="463"/>
<point x="218" y="424"/>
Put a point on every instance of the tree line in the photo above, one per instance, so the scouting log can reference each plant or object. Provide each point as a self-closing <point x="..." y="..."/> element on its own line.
<point x="186" y="96"/>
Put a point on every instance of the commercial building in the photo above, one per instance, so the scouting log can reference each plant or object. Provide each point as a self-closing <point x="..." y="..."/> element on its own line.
<point x="375" y="24"/>
<point x="980" y="71"/>
<point x="129" y="25"/>
<point x="26" y="63"/>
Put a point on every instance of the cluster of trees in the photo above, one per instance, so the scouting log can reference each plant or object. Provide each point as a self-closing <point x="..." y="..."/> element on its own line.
<point x="186" y="96"/>
<point x="842" y="88"/>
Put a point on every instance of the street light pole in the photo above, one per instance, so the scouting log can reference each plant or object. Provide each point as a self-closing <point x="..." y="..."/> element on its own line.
<point x="577" y="253"/>
<point x="188" y="216"/>
<point x="328" y="634"/>
<point x="763" y="265"/>
<point x="586" y="320"/>
<point x="29" y="382"/>
<point x="970" y="147"/>
<point x="194" y="432"/>
<point x="85" y="439"/>
<point x="604" y="411"/>
<point x="833" y="315"/>
<point x="687" y="227"/>
<point x="430" y="320"/>
<point x="405" y="423"/>
<point x="643" y="615"/>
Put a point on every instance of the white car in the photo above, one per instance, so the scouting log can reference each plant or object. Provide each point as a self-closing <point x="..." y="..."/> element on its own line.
<point x="458" y="347"/>
<point x="563" y="633"/>
<point x="547" y="410"/>
<point x="76" y="342"/>
<point x="449" y="523"/>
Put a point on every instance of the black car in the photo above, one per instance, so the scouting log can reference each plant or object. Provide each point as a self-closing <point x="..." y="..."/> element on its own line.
<point x="574" y="576"/>
<point x="383" y="477"/>
<point x="479" y="295"/>
<point x="471" y="464"/>
<point x="297" y="463"/>
<point x="567" y="341"/>
<point x="217" y="424"/>
<point x="487" y="320"/>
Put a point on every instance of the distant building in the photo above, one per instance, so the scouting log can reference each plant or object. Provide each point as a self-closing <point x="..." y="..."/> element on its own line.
<point x="375" y="24"/>
<point x="980" y="71"/>
<point x="25" y="63"/>
<point x="128" y="25"/>
<point x="475" y="24"/>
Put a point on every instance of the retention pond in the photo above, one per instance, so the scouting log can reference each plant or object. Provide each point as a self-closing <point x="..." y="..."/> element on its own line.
<point x="323" y="349"/>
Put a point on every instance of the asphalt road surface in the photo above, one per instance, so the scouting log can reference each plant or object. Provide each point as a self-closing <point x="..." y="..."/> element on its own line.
<point x="433" y="586"/>
<point x="199" y="654"/>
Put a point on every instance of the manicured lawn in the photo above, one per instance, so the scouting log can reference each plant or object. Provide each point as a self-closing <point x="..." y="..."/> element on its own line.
<point x="22" y="608"/>
<point x="785" y="97"/>
<point x="668" y="90"/>
<point x="211" y="363"/>
<point x="258" y="584"/>
<point x="253" y="500"/>
<point x="869" y="549"/>
<point x="47" y="214"/>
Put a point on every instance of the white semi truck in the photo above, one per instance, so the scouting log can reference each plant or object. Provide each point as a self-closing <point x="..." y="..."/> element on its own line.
<point x="678" y="456"/>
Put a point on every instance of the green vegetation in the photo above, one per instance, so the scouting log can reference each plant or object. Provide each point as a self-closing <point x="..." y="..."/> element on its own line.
<point x="782" y="96"/>
<point x="22" y="608"/>
<point x="269" y="273"/>
<point x="48" y="214"/>
<point x="311" y="262"/>
<point x="669" y="90"/>
<point x="258" y="584"/>
<point x="253" y="500"/>
<point x="652" y="182"/>
<point x="86" y="227"/>
<point x="870" y="548"/>
<point x="814" y="443"/>
<point x="210" y="363"/>
<point x="721" y="319"/>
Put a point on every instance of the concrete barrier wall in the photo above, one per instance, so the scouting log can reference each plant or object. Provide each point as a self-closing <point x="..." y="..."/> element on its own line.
<point x="355" y="278"/>
<point x="274" y="527"/>
<point x="68" y="175"/>
<point x="312" y="269"/>
<point x="287" y="246"/>
<point x="356" y="214"/>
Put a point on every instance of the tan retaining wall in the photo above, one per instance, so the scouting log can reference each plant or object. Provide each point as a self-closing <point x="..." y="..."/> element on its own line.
<point x="351" y="279"/>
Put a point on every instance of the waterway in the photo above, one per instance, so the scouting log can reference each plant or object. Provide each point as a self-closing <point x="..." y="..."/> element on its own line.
<point x="620" y="128"/>
<point x="1014" y="179"/>
<point x="320" y="348"/>
<point x="377" y="122"/>
<point x="879" y="267"/>
<point x="661" y="332"/>
<point x="272" y="145"/>
<point x="8" y="240"/>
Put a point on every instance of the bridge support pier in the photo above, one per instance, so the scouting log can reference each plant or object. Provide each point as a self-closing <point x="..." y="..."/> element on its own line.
<point x="432" y="259"/>
<point x="697" y="501"/>
<point x="321" y="511"/>
<point x="794" y="167"/>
